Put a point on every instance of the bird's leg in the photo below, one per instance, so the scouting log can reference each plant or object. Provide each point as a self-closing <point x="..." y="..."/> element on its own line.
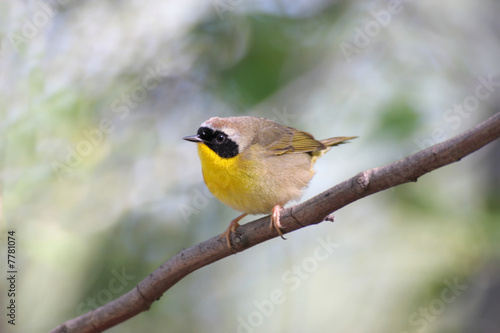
<point x="232" y="228"/>
<point x="275" y="219"/>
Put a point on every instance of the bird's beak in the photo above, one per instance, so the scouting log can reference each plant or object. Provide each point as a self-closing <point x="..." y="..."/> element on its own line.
<point x="193" y="138"/>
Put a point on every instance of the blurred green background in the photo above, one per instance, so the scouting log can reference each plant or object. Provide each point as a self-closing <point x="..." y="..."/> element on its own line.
<point x="101" y="189"/>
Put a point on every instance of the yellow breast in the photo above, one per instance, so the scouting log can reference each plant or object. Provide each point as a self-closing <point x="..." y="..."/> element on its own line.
<point x="228" y="179"/>
<point x="252" y="185"/>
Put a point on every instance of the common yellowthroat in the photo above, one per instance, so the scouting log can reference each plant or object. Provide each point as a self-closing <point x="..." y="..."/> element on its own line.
<point x="255" y="165"/>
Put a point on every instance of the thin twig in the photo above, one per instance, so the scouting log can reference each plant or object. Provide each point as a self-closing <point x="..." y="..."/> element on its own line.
<point x="310" y="212"/>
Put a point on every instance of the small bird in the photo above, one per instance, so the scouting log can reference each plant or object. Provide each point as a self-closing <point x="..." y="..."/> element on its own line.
<point x="255" y="165"/>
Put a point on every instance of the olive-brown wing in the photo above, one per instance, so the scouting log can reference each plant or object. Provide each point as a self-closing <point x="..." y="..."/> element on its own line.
<point x="278" y="140"/>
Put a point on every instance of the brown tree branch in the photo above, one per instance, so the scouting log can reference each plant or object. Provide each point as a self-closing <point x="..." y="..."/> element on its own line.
<point x="312" y="211"/>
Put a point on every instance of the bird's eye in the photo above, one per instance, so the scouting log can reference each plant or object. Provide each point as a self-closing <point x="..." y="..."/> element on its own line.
<point x="220" y="138"/>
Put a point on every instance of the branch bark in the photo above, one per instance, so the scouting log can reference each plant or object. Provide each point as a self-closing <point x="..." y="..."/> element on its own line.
<point x="310" y="212"/>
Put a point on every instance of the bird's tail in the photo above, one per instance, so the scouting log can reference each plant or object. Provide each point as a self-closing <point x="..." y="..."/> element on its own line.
<point x="336" y="140"/>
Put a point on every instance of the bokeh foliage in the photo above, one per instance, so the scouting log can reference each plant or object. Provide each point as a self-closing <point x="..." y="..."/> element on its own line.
<point x="96" y="181"/>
